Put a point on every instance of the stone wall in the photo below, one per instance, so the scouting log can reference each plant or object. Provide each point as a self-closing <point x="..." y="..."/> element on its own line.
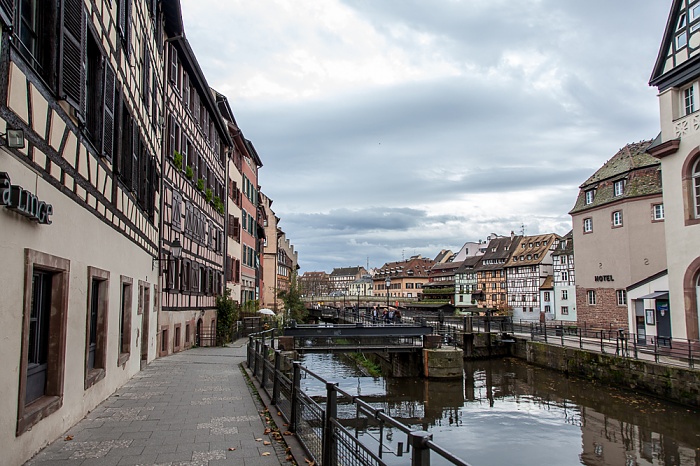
<point x="605" y="313"/>
<point x="677" y="384"/>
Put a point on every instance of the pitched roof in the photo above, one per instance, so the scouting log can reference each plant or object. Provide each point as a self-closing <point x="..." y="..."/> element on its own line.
<point x="548" y="283"/>
<point x="632" y="164"/>
<point x="566" y="245"/>
<point x="532" y="250"/>
<point x="498" y="252"/>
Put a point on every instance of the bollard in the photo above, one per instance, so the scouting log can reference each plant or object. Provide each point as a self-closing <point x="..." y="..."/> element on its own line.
<point x="418" y="441"/>
<point x="296" y="388"/>
<point x="329" y="448"/>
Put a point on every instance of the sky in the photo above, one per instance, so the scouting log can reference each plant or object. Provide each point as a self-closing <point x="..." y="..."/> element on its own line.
<point x="392" y="128"/>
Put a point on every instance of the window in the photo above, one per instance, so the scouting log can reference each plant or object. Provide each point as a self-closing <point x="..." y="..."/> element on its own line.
<point x="688" y="99"/>
<point x="696" y="188"/>
<point x="547" y="308"/>
<point x="125" y="320"/>
<point x="694" y="14"/>
<point x="34" y="45"/>
<point x="564" y="276"/>
<point x="564" y="294"/>
<point x="590" y="194"/>
<point x="621" y="297"/>
<point x="681" y="40"/>
<point x="617" y="218"/>
<point x="587" y="225"/>
<point x="96" y="333"/>
<point x="546" y="296"/>
<point x="42" y="364"/>
<point x="619" y="187"/>
<point x="565" y="310"/>
<point x="658" y="212"/>
<point x="124" y="24"/>
<point x="590" y="294"/>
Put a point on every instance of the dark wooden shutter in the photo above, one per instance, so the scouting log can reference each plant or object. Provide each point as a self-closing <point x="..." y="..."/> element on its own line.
<point x="173" y="63"/>
<point x="72" y="84"/>
<point x="135" y="167"/>
<point x="108" y="117"/>
<point x="146" y="75"/>
<point x="7" y="10"/>
<point x="171" y="136"/>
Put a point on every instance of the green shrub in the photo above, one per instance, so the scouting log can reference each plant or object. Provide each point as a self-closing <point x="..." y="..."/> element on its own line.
<point x="177" y="160"/>
<point x="189" y="172"/>
<point x="200" y="184"/>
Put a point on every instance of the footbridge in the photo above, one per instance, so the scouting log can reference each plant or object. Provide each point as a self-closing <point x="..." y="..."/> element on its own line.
<point x="341" y="338"/>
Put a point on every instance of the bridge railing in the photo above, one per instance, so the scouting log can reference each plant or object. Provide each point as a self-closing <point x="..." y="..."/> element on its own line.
<point x="666" y="350"/>
<point x="316" y="422"/>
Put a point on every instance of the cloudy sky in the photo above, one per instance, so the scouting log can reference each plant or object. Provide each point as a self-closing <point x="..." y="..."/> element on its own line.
<point x="389" y="128"/>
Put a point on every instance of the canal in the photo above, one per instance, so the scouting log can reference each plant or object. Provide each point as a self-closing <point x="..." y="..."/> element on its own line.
<point x="506" y="412"/>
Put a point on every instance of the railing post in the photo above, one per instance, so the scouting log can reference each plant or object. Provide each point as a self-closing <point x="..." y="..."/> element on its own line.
<point x="532" y="331"/>
<point x="275" y="377"/>
<point x="580" y="337"/>
<point x="602" y="348"/>
<point x="545" y="331"/>
<point x="257" y="358"/>
<point x="263" y="374"/>
<point x="251" y="351"/>
<point x="296" y="387"/>
<point x="418" y="440"/>
<point x="656" y="349"/>
<point x="329" y="447"/>
<point x="634" y="346"/>
<point x="690" y="354"/>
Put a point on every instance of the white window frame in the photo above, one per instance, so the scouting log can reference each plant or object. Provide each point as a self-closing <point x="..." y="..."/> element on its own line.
<point x="621" y="296"/>
<point x="658" y="212"/>
<point x="565" y="294"/>
<point x="617" y="218"/>
<point x="689" y="93"/>
<point x="587" y="225"/>
<point x="565" y="310"/>
<point x="694" y="13"/>
<point x="681" y="40"/>
<point x="590" y="196"/>
<point x="591" y="297"/>
<point x="619" y="188"/>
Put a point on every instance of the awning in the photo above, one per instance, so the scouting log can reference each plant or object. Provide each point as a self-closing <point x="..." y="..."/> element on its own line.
<point x="655" y="295"/>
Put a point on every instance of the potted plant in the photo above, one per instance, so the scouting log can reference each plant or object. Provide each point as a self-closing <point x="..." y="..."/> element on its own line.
<point x="177" y="160"/>
<point x="189" y="172"/>
<point x="208" y="194"/>
<point x="200" y="184"/>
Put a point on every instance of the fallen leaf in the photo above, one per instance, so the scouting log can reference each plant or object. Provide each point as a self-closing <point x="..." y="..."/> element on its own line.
<point x="267" y="431"/>
<point x="68" y="437"/>
<point x="258" y="440"/>
<point x="289" y="458"/>
<point x="266" y="453"/>
<point x="232" y="449"/>
<point x="286" y="432"/>
<point x="279" y="413"/>
<point x="267" y="442"/>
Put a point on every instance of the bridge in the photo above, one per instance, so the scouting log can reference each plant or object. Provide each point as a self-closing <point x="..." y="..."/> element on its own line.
<point x="341" y="338"/>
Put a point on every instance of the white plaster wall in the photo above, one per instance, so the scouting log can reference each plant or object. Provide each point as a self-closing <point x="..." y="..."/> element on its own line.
<point x="80" y="237"/>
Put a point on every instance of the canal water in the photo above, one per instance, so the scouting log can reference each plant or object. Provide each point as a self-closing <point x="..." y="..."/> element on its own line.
<point x="506" y="412"/>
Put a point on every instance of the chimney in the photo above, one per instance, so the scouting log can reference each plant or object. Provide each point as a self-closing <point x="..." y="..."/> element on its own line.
<point x="512" y="234"/>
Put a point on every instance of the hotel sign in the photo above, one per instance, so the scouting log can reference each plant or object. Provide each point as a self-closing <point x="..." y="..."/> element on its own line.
<point x="24" y="202"/>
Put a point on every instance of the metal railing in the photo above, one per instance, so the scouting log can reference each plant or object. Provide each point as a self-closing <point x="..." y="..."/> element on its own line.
<point x="317" y="423"/>
<point x="665" y="350"/>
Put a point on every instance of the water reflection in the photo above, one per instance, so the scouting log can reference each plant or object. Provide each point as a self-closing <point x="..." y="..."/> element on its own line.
<point x="507" y="412"/>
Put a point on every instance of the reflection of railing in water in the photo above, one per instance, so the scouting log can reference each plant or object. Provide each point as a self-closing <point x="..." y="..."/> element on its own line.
<point x="317" y="425"/>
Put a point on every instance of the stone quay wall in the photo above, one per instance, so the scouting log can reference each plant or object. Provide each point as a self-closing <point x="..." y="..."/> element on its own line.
<point x="677" y="384"/>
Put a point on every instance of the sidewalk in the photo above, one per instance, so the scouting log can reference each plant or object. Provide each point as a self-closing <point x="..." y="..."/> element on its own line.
<point x="192" y="408"/>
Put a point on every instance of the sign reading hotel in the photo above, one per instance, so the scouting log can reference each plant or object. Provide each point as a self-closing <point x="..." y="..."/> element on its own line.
<point x="23" y="202"/>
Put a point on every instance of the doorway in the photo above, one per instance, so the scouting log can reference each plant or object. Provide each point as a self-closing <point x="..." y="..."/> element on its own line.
<point x="663" y="322"/>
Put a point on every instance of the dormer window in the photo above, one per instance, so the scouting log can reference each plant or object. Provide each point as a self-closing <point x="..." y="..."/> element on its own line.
<point x="590" y="194"/>
<point x="619" y="187"/>
<point x="537" y="244"/>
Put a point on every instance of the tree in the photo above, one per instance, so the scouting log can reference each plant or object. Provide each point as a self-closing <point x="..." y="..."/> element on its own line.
<point x="292" y="300"/>
<point x="227" y="311"/>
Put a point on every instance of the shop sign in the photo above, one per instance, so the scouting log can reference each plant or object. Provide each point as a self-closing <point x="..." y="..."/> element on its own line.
<point x="23" y="202"/>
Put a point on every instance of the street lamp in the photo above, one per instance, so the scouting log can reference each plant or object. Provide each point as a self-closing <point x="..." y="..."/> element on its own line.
<point x="387" y="282"/>
<point x="175" y="251"/>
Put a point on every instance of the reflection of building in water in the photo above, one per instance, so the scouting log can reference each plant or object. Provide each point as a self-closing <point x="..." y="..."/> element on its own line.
<point x="608" y="441"/>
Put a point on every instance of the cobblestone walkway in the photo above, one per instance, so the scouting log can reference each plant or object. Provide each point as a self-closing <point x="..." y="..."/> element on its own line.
<point x="189" y="409"/>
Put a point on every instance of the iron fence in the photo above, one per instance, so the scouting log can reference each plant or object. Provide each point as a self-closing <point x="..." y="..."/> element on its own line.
<point x="316" y="421"/>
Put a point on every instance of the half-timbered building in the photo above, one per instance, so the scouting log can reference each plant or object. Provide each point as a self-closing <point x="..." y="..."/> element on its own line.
<point x="529" y="266"/>
<point x="79" y="181"/>
<point x="676" y="75"/>
<point x="194" y="193"/>
<point x="564" y="305"/>
<point x="466" y="283"/>
<point x="491" y="274"/>
<point x="251" y="230"/>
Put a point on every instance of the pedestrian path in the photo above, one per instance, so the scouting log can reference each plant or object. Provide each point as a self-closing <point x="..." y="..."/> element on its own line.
<point x="193" y="408"/>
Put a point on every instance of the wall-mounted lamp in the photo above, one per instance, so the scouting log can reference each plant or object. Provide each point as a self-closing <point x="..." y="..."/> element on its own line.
<point x="14" y="138"/>
<point x="175" y="251"/>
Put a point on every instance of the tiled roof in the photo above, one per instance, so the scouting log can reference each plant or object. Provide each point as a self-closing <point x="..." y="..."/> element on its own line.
<point x="638" y="170"/>
<point x="566" y="245"/>
<point x="548" y="283"/>
<point x="536" y="247"/>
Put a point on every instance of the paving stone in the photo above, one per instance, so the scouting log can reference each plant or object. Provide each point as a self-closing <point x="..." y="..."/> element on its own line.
<point x="187" y="409"/>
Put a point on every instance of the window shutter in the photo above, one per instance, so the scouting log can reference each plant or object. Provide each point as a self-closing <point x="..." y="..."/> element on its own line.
<point x="7" y="10"/>
<point x="108" y="117"/>
<point x="146" y="74"/>
<point x="72" y="83"/>
<point x="135" y="167"/>
<point x="173" y="64"/>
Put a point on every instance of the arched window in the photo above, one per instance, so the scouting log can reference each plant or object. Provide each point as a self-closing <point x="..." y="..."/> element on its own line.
<point x="696" y="188"/>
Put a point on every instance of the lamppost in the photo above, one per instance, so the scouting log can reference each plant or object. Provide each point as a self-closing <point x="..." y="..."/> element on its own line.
<point x="387" y="282"/>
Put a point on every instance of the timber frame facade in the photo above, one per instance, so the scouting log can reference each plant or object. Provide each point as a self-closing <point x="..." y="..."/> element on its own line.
<point x="82" y="79"/>
<point x="491" y="274"/>
<point x="194" y="196"/>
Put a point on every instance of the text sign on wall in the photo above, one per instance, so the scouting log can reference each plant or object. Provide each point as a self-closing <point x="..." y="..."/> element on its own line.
<point x="23" y="202"/>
